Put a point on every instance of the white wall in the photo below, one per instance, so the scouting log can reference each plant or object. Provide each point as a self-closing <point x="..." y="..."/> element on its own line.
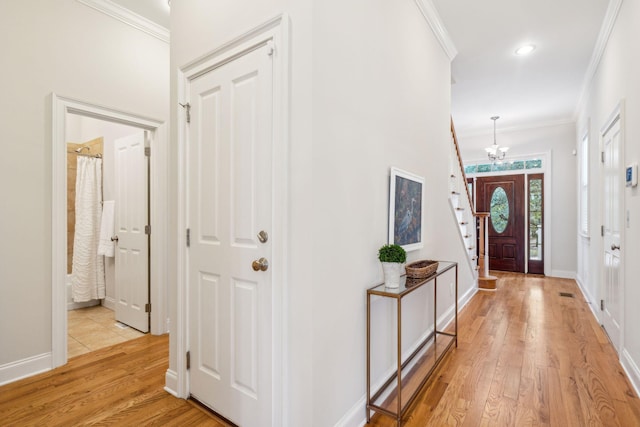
<point x="370" y="89"/>
<point x="81" y="129"/>
<point x="617" y="79"/>
<point x="560" y="141"/>
<point x="70" y="49"/>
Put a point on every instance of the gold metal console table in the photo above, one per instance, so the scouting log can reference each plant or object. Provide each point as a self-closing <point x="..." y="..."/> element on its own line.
<point x="399" y="391"/>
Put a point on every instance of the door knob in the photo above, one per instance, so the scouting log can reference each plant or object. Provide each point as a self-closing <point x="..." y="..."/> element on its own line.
<point x="260" y="264"/>
<point x="114" y="239"/>
<point x="263" y="236"/>
<point x="614" y="247"/>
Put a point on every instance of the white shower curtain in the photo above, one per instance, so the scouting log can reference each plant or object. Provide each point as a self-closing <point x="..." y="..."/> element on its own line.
<point x="87" y="270"/>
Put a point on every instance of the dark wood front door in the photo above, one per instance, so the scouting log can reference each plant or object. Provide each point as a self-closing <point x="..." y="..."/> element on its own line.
<point x="503" y="198"/>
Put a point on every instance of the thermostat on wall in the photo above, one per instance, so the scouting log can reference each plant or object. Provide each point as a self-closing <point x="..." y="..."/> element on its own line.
<point x="632" y="175"/>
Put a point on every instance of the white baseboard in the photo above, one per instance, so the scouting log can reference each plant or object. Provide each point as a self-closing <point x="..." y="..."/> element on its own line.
<point x="464" y="300"/>
<point x="356" y="416"/>
<point x="110" y="303"/>
<point x="591" y="301"/>
<point x="563" y="274"/>
<point x="631" y="368"/>
<point x="171" y="382"/>
<point x="24" y="368"/>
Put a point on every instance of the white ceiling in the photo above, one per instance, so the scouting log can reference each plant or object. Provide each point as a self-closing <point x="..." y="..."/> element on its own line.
<point x="525" y="91"/>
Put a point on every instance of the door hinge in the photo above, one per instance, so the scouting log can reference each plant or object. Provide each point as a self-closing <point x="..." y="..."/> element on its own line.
<point x="147" y="229"/>
<point x="188" y="360"/>
<point x="270" y="48"/>
<point x="187" y="107"/>
<point x="602" y="230"/>
<point x="602" y="156"/>
<point x="188" y="237"/>
<point x="147" y="151"/>
<point x="602" y="305"/>
<point x="147" y="307"/>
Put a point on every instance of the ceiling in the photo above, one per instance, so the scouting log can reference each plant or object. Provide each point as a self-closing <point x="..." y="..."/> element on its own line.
<point x="489" y="79"/>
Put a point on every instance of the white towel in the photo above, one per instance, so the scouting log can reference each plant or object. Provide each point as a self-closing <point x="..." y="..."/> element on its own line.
<point x="106" y="246"/>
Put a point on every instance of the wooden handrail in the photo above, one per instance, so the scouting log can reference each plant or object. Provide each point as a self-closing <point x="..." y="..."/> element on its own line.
<point x="464" y="176"/>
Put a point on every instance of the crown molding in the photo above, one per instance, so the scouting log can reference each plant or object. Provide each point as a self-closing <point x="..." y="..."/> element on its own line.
<point x="598" y="51"/>
<point x="431" y="15"/>
<point x="128" y="17"/>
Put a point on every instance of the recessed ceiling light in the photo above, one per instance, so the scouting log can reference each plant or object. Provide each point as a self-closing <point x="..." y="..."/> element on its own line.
<point x="525" y="50"/>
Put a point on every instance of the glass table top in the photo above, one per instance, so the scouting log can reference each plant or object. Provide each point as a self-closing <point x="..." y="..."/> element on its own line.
<point x="408" y="284"/>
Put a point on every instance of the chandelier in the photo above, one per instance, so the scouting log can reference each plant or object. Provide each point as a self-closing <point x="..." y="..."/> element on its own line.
<point x="495" y="152"/>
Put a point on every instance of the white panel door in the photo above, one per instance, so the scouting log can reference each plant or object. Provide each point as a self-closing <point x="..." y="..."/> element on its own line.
<point x="612" y="292"/>
<point x="229" y="203"/>
<point x="132" y="246"/>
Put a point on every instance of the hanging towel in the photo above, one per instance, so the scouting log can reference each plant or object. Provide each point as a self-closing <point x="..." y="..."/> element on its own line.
<point x="87" y="275"/>
<point x="106" y="246"/>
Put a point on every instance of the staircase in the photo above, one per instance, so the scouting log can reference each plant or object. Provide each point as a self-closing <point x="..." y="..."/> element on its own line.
<point x="462" y="207"/>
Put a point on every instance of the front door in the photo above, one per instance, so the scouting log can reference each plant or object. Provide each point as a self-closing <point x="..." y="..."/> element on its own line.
<point x="611" y="293"/>
<point x="131" y="217"/>
<point x="229" y="196"/>
<point x="503" y="198"/>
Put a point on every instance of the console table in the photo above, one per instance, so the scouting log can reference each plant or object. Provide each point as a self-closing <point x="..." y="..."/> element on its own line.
<point x="399" y="391"/>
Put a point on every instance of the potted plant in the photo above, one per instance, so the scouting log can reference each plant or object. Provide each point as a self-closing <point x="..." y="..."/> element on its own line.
<point x="392" y="257"/>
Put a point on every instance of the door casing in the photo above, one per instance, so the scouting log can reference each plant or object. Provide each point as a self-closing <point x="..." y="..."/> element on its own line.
<point x="275" y="32"/>
<point x="60" y="107"/>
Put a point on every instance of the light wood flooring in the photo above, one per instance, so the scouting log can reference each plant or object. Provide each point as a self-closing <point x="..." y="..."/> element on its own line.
<point x="93" y="328"/>
<point x="121" y="385"/>
<point x="526" y="357"/>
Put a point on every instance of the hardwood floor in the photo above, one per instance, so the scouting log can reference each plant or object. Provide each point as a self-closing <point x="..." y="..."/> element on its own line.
<point x="119" y="385"/>
<point x="527" y="356"/>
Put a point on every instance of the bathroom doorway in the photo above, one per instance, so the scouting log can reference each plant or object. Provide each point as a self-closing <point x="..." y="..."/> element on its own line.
<point x="107" y="247"/>
<point x="78" y="122"/>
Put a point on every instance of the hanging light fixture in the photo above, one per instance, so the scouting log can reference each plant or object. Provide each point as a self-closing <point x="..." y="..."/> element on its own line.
<point x="495" y="152"/>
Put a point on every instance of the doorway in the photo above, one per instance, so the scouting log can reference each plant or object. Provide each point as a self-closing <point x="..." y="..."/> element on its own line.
<point x="503" y="198"/>
<point x="63" y="109"/>
<point x="109" y="273"/>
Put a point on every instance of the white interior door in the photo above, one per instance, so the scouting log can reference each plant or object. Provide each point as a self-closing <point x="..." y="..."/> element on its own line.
<point x="229" y="203"/>
<point x="132" y="246"/>
<point x="612" y="185"/>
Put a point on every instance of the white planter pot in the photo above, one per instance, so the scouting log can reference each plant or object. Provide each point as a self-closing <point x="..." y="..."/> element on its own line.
<point x="392" y="272"/>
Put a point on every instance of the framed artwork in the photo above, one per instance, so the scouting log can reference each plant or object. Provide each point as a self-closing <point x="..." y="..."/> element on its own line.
<point x="405" y="209"/>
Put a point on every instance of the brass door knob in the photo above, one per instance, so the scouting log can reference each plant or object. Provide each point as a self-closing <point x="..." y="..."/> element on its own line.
<point x="260" y="264"/>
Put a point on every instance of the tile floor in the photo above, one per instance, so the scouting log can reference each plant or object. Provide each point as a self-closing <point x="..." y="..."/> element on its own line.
<point x="92" y="328"/>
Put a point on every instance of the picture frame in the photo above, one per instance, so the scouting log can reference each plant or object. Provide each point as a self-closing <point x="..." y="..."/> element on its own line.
<point x="405" y="209"/>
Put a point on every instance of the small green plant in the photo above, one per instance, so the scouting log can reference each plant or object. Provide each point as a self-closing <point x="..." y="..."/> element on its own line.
<point x="392" y="253"/>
